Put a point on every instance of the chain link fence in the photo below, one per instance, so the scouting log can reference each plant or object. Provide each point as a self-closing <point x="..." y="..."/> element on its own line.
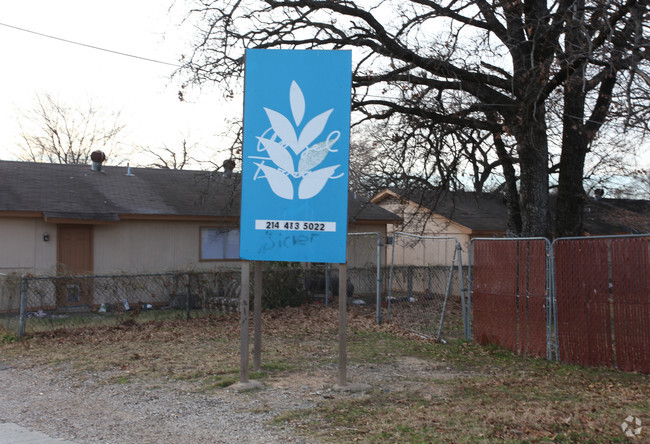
<point x="603" y="301"/>
<point x="366" y="275"/>
<point x="510" y="292"/>
<point x="414" y="288"/>
<point x="427" y="288"/>
<point x="30" y="304"/>
<point x="579" y="300"/>
<point x="10" y="290"/>
<point x="36" y="303"/>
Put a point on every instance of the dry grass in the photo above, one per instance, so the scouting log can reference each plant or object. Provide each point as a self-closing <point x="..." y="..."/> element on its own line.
<point x="421" y="391"/>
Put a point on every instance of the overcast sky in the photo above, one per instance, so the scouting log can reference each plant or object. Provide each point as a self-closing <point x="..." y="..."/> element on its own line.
<point x="143" y="91"/>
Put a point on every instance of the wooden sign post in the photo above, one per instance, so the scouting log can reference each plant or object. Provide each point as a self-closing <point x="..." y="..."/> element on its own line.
<point x="244" y="322"/>
<point x="343" y="323"/>
<point x="257" y="316"/>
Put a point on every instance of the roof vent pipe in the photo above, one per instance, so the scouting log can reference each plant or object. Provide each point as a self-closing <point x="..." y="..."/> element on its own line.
<point x="228" y="166"/>
<point x="97" y="157"/>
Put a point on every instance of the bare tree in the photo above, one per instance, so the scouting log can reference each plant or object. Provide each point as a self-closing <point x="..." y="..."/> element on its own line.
<point x="489" y="66"/>
<point x="171" y="159"/>
<point x="54" y="132"/>
<point x="644" y="182"/>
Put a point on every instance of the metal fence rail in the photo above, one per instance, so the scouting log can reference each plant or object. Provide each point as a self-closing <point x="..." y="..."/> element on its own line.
<point x="426" y="290"/>
<point x="603" y="298"/>
<point x="510" y="294"/>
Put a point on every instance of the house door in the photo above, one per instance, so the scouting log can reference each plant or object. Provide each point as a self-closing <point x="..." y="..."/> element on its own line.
<point x="74" y="258"/>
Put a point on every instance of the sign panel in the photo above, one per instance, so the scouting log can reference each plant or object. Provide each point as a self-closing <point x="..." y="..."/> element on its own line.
<point x="295" y="158"/>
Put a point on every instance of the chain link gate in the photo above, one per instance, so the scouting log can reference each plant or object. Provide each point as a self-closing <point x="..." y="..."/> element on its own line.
<point x="426" y="290"/>
<point x="602" y="286"/>
<point x="511" y="294"/>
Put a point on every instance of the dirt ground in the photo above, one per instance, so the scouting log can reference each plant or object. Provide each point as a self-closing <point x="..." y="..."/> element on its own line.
<point x="175" y="381"/>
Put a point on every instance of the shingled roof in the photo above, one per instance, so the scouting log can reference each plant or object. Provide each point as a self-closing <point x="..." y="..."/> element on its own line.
<point x="476" y="211"/>
<point x="482" y="212"/>
<point x="617" y="216"/>
<point x="76" y="192"/>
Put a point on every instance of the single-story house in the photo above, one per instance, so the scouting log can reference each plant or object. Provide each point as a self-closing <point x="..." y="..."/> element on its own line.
<point x="74" y="219"/>
<point x="467" y="215"/>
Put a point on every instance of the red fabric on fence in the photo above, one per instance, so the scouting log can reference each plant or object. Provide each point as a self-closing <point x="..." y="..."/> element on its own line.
<point x="583" y="305"/>
<point x="509" y="294"/>
<point x="536" y="289"/>
<point x="631" y="303"/>
<point x="522" y="297"/>
<point x="602" y="293"/>
<point x="494" y="304"/>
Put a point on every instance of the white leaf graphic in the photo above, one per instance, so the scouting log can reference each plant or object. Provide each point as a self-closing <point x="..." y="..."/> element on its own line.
<point x="297" y="100"/>
<point x="280" y="183"/>
<point x="314" y="182"/>
<point x="313" y="130"/>
<point x="312" y="157"/>
<point x="283" y="128"/>
<point x="278" y="154"/>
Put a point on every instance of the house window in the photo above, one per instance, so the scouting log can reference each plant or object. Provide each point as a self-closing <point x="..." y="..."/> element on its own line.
<point x="219" y="244"/>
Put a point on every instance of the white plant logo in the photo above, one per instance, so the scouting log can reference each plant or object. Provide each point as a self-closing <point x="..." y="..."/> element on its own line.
<point x="631" y="426"/>
<point x="285" y="148"/>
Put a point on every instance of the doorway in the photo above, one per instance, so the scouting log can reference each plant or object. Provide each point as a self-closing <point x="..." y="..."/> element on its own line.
<point x="74" y="258"/>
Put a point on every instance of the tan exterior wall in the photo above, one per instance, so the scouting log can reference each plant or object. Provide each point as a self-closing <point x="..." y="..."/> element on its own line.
<point x="22" y="248"/>
<point x="150" y="247"/>
<point x="362" y="248"/>
<point x="132" y="246"/>
<point x="123" y="247"/>
<point x="136" y="247"/>
<point x="421" y="222"/>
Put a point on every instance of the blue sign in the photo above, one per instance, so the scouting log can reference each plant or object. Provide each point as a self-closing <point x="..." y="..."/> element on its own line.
<point x="295" y="159"/>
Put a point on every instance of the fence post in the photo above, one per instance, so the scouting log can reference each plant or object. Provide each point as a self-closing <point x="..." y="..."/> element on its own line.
<point x="327" y="284"/>
<point x="447" y="293"/>
<point x="189" y="295"/>
<point x="465" y="309"/>
<point x="549" y="305"/>
<point x="23" y="307"/>
<point x="390" y="276"/>
<point x="470" y="289"/>
<point x="553" y="300"/>
<point x="409" y="282"/>
<point x="378" y="278"/>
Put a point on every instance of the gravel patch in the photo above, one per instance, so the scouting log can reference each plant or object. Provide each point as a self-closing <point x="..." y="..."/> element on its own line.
<point x="59" y="404"/>
<point x="92" y="408"/>
<point x="153" y="383"/>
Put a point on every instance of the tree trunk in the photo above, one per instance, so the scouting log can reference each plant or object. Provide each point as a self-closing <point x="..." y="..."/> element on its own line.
<point x="512" y="195"/>
<point x="532" y="146"/>
<point x="571" y="195"/>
